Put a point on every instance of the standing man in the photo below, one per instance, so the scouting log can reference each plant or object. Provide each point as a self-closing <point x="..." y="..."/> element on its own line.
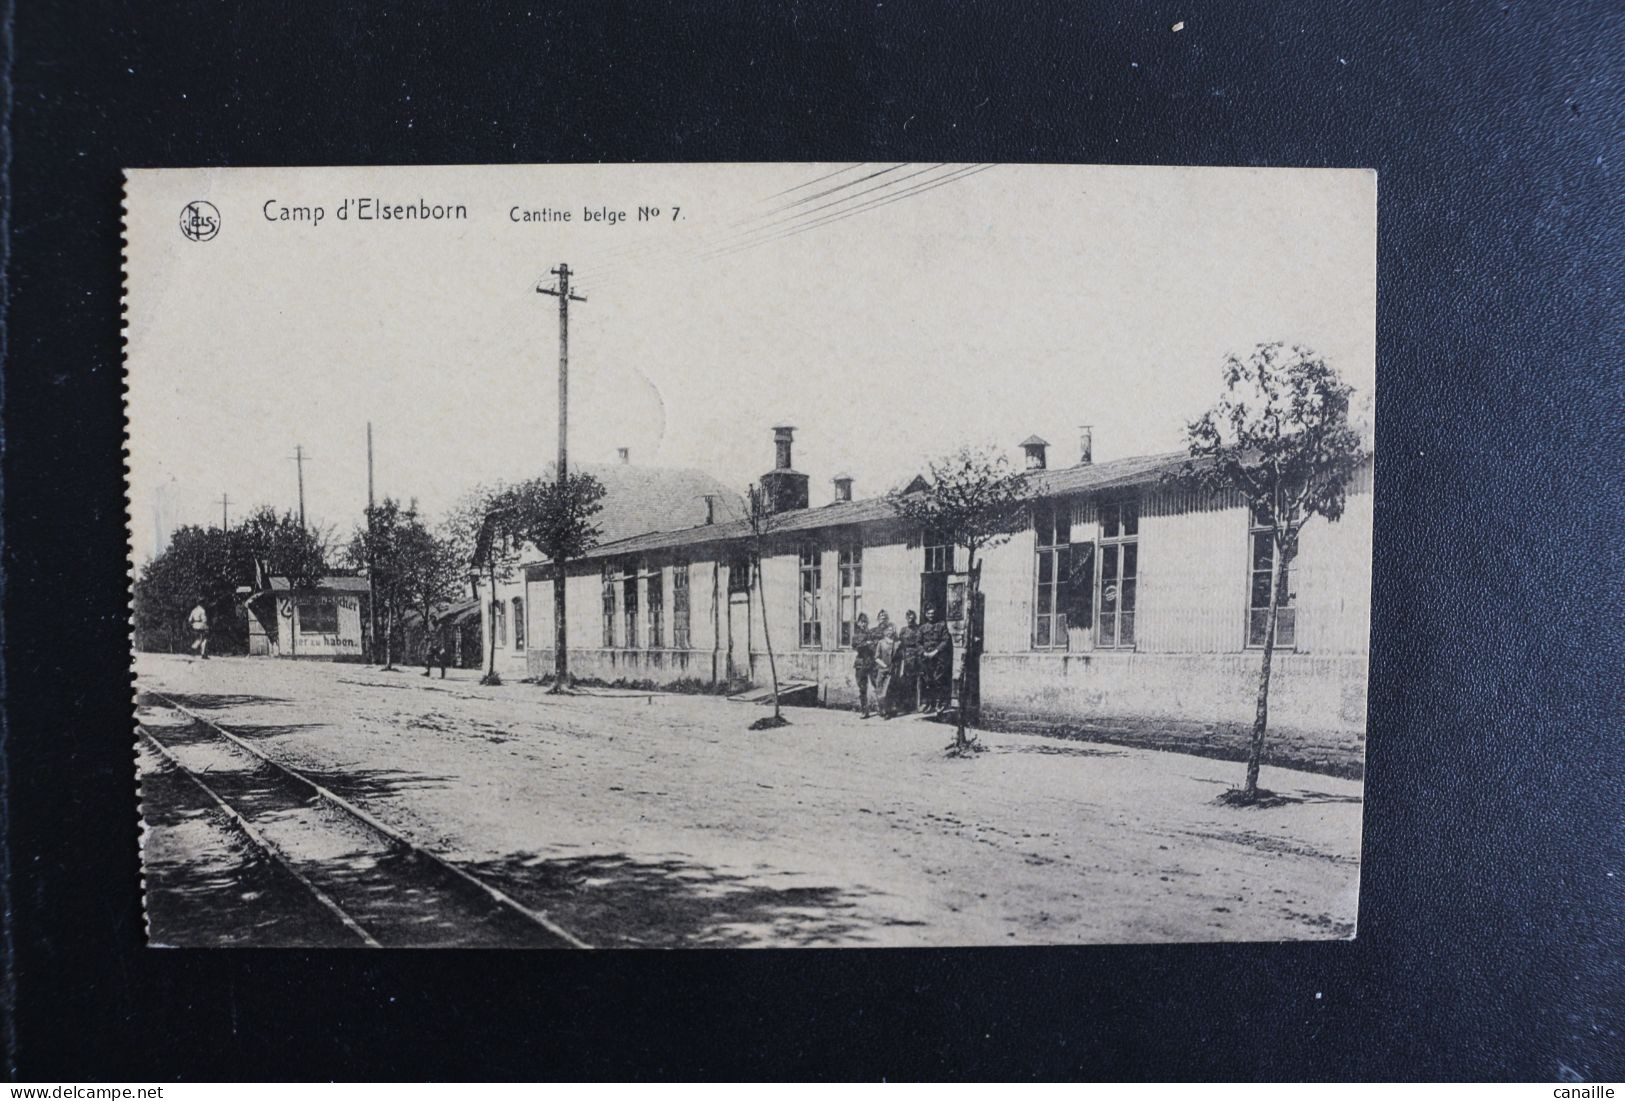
<point x="198" y="621"/>
<point x="937" y="661"/>
<point x="863" y="659"/>
<point x="908" y="664"/>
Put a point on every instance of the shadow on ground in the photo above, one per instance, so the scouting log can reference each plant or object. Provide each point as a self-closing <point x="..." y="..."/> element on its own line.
<point x="202" y="701"/>
<point x="616" y="901"/>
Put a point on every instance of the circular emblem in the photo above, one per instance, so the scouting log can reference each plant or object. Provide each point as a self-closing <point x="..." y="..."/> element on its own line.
<point x="200" y="221"/>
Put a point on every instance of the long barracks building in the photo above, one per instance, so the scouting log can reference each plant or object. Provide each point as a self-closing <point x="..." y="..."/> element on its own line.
<point x="1124" y="600"/>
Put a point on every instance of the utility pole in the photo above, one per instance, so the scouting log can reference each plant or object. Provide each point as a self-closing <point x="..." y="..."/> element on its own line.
<point x="299" y="461"/>
<point x="224" y="501"/>
<point x="565" y="295"/>
<point x="372" y="585"/>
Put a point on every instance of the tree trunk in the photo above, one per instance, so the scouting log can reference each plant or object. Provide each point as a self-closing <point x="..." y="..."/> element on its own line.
<point x="972" y="579"/>
<point x="389" y="638"/>
<point x="772" y="666"/>
<point x="1255" y="751"/>
<point x="491" y="618"/>
<point x="561" y="660"/>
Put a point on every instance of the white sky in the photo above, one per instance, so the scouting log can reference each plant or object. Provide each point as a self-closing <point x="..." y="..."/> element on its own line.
<point x="1015" y="300"/>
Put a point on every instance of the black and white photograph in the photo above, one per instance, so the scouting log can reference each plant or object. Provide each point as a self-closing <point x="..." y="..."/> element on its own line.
<point x="750" y="555"/>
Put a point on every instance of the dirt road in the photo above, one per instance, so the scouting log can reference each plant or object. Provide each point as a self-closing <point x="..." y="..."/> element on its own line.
<point x="662" y="821"/>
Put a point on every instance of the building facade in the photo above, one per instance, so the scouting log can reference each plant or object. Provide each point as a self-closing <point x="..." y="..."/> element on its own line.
<point x="327" y="622"/>
<point x="1121" y="600"/>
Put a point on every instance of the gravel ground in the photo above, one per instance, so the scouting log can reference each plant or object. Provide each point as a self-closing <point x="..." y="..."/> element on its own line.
<point x="662" y="821"/>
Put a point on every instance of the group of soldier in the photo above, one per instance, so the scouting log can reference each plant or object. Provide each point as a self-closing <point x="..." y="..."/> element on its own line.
<point x="901" y="668"/>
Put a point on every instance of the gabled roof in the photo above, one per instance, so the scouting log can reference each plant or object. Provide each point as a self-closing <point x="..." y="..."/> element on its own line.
<point x="642" y="499"/>
<point x="1084" y="478"/>
<point x="331" y="584"/>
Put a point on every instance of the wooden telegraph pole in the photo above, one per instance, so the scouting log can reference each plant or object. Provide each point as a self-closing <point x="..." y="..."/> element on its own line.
<point x="299" y="461"/>
<point x="561" y="290"/>
<point x="372" y="584"/>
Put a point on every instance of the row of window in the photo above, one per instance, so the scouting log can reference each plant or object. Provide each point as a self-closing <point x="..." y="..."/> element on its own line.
<point x="1070" y="592"/>
<point x="1075" y="585"/>
<point x="642" y="607"/>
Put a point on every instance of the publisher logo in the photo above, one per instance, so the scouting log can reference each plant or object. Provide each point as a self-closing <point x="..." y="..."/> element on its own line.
<point x="200" y="221"/>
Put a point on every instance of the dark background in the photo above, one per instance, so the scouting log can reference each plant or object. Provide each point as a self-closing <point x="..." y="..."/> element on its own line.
<point x="1490" y="919"/>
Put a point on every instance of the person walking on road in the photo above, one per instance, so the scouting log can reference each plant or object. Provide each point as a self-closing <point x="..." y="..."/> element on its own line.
<point x="198" y="621"/>
<point x="863" y="659"/>
<point x="433" y="652"/>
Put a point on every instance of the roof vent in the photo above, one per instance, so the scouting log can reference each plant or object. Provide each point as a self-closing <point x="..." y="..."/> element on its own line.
<point x="1035" y="450"/>
<point x="843" y="487"/>
<point x="624" y="454"/>
<point x="1086" y="444"/>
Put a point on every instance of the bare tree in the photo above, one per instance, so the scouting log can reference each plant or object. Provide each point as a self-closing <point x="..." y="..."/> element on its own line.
<point x="763" y="519"/>
<point x="973" y="499"/>
<point x="1280" y="436"/>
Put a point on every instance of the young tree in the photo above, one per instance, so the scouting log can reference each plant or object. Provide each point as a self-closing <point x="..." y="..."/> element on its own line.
<point x="976" y="500"/>
<point x="430" y="573"/>
<point x="1280" y="436"/>
<point x="556" y="518"/>
<point x="763" y="519"/>
<point x="462" y="523"/>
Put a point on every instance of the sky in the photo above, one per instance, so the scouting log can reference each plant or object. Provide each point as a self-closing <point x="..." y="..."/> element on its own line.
<point x="889" y="312"/>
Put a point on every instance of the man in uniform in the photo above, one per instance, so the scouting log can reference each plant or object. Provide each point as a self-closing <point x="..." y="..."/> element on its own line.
<point x="863" y="659"/>
<point x="936" y="661"/>
<point x="908" y="664"/>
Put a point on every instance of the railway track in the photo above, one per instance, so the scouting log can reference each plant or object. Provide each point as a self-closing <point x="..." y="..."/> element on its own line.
<point x="383" y="888"/>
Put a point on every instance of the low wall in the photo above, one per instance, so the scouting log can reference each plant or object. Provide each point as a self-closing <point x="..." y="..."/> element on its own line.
<point x="659" y="666"/>
<point x="1307" y="691"/>
<point x="1325" y="694"/>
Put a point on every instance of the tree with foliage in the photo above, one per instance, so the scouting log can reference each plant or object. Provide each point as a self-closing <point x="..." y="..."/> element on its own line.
<point x="209" y="564"/>
<point x="762" y="518"/>
<point x="412" y="568"/>
<point x="556" y="518"/>
<point x="462" y="523"/>
<point x="974" y="499"/>
<point x="1280" y="436"/>
<point x="200" y="566"/>
<point x="280" y="546"/>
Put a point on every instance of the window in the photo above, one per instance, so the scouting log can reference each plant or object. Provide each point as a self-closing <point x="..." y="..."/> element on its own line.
<point x="679" y="606"/>
<point x="1261" y="567"/>
<point x="499" y="623"/>
<point x="939" y="555"/>
<point x="1052" y="524"/>
<point x="657" y="609"/>
<point x="1119" y="574"/>
<point x="609" y="606"/>
<point x="850" y="564"/>
<point x="318" y="617"/>
<point x="739" y="572"/>
<point x="812" y="576"/>
<point x="629" y="604"/>
<point x="518" y="623"/>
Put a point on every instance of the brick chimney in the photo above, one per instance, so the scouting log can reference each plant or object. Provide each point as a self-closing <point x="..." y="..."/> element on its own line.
<point x="843" y="487"/>
<point x="1035" y="449"/>
<point x="1086" y="444"/>
<point x="786" y="488"/>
